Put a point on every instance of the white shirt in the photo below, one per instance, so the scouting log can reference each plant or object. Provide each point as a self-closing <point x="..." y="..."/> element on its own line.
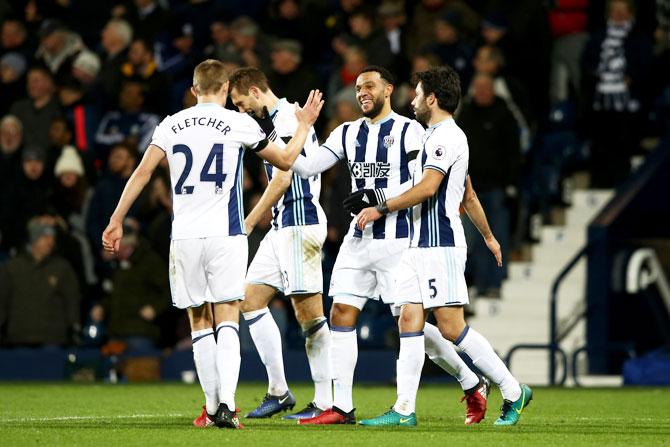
<point x="437" y="222"/>
<point x="300" y="203"/>
<point x="378" y="156"/>
<point x="204" y="146"/>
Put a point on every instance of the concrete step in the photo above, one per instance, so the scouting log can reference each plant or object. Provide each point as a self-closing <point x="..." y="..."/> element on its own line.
<point x="543" y="271"/>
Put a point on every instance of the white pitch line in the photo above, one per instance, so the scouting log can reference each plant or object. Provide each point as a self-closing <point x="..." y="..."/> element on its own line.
<point x="89" y="418"/>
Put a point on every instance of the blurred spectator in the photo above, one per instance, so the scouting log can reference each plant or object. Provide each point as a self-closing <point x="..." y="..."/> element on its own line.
<point x="40" y="107"/>
<point x="11" y="140"/>
<point x="82" y="116"/>
<point x="12" y="79"/>
<point x="220" y="40"/>
<point x="288" y="77"/>
<point x="450" y="47"/>
<point x="248" y="42"/>
<point x="58" y="48"/>
<point x="294" y="19"/>
<point x="354" y="61"/>
<point x="393" y="21"/>
<point x="427" y="11"/>
<point x="120" y="165"/>
<point x="138" y="293"/>
<point x="60" y="137"/>
<point x="148" y="19"/>
<point x="490" y="61"/>
<point x="371" y="39"/>
<point x="178" y="58"/>
<point x="616" y="74"/>
<point x="141" y="66"/>
<point x="494" y="167"/>
<point x="568" y="20"/>
<point x="521" y="30"/>
<point x="29" y="196"/>
<point x="14" y="38"/>
<point x="116" y="37"/>
<point x="85" y="68"/>
<point x="346" y="108"/>
<point x="39" y="295"/>
<point x="130" y="123"/>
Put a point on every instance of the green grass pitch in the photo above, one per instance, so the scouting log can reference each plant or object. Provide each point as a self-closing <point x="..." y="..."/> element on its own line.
<point x="161" y="414"/>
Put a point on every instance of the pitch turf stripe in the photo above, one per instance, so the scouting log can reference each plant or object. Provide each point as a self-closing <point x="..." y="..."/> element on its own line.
<point x="93" y="418"/>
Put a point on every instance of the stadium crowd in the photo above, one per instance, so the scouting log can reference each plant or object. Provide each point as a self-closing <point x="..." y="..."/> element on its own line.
<point x="550" y="88"/>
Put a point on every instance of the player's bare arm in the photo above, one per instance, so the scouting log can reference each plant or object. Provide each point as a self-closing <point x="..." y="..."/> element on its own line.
<point x="420" y="192"/>
<point x="136" y="183"/>
<point x="280" y="182"/>
<point x="473" y="208"/>
<point x="306" y="115"/>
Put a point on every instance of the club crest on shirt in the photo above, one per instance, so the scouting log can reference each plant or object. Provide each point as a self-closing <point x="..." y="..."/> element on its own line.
<point x="388" y="141"/>
<point x="439" y="152"/>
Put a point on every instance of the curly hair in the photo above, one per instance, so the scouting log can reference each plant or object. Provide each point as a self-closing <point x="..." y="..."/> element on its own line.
<point x="444" y="83"/>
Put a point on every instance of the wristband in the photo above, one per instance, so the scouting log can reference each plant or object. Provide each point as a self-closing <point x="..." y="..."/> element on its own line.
<point x="383" y="208"/>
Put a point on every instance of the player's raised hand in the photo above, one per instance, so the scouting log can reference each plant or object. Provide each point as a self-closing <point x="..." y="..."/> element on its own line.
<point x="366" y="216"/>
<point x="308" y="113"/>
<point x="111" y="237"/>
<point x="494" y="246"/>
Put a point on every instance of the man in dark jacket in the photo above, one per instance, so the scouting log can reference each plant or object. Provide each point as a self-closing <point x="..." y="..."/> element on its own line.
<point x="139" y="292"/>
<point x="39" y="294"/>
<point x="495" y="159"/>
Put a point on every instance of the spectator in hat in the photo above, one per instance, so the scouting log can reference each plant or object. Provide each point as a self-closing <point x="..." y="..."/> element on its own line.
<point x="71" y="200"/>
<point x="288" y="77"/>
<point x="450" y="47"/>
<point x="12" y="79"/>
<point x="29" y="196"/>
<point x="40" y="107"/>
<point x="39" y="294"/>
<point x="179" y="57"/>
<point x="58" y="48"/>
<point x="85" y="67"/>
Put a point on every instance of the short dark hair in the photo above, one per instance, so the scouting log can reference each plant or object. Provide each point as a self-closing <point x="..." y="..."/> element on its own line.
<point x="244" y="78"/>
<point x="444" y="83"/>
<point x="384" y="73"/>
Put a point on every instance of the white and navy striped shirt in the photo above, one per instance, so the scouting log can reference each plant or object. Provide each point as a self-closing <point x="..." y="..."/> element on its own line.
<point x="377" y="155"/>
<point x="300" y="203"/>
<point x="436" y="222"/>
<point x="204" y="146"/>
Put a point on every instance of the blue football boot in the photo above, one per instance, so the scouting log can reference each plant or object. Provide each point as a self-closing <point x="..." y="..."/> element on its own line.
<point x="272" y="405"/>
<point x="310" y="411"/>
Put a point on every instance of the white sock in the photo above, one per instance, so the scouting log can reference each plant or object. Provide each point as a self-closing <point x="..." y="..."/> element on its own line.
<point x="204" y="356"/>
<point x="409" y="366"/>
<point x="441" y="351"/>
<point x="228" y="361"/>
<point x="344" y="354"/>
<point x="267" y="338"/>
<point x="480" y="351"/>
<point x="317" y="345"/>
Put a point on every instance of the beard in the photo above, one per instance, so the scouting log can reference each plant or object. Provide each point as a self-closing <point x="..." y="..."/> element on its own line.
<point x="377" y="106"/>
<point x="422" y="114"/>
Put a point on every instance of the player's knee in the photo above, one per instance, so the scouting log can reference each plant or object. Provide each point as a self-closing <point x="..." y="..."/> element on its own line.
<point x="450" y="332"/>
<point x="307" y="308"/>
<point x="343" y="315"/>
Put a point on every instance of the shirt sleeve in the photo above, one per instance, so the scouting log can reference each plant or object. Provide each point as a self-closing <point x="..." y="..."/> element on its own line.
<point x="160" y="137"/>
<point x="251" y="135"/>
<point x="334" y="142"/>
<point x="441" y="153"/>
<point x="316" y="159"/>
